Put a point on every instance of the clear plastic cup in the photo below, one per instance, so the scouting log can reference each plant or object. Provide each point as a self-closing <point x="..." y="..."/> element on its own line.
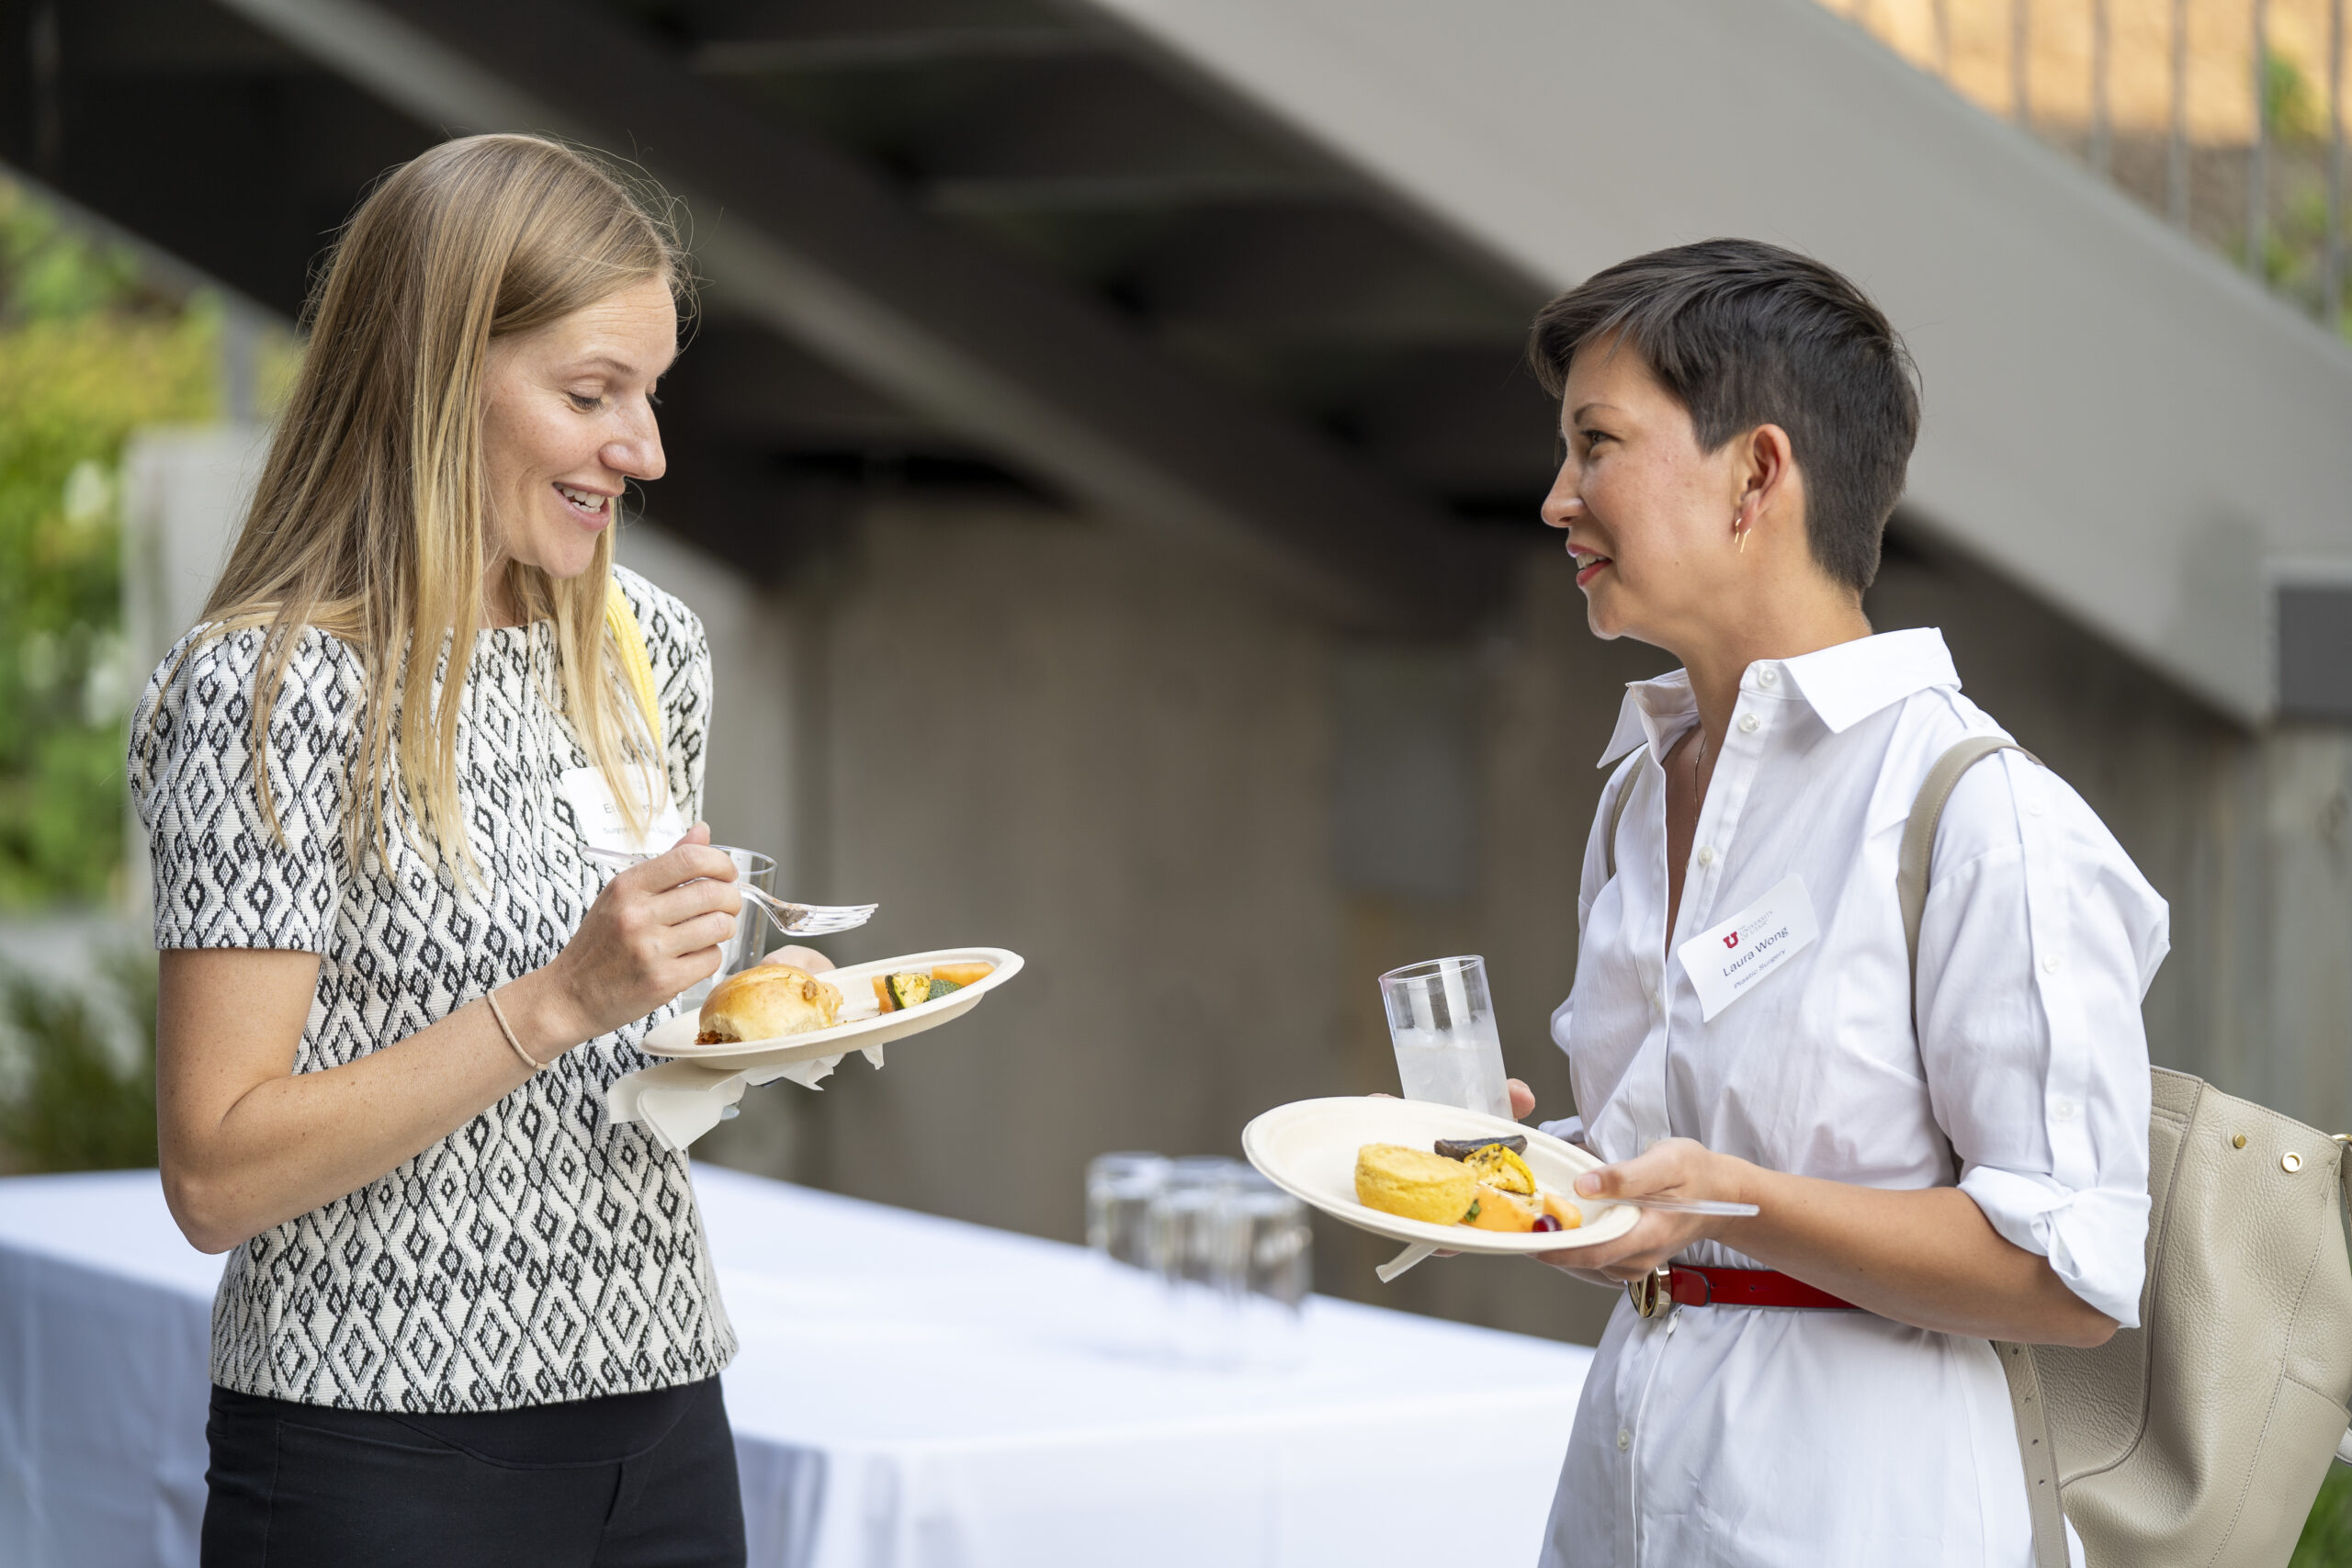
<point x="1187" y="1229"/>
<point x="1442" y="1021"/>
<point x="1119" y="1191"/>
<point x="753" y="933"/>
<point x="1265" y="1268"/>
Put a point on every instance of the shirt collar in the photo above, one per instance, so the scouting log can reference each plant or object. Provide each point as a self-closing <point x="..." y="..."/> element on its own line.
<point x="1843" y="685"/>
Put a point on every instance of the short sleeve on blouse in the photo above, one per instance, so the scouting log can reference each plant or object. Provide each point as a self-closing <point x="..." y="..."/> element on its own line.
<point x="222" y="877"/>
<point x="2039" y="940"/>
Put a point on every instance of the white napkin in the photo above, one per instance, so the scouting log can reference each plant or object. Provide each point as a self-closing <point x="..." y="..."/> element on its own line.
<point x="678" y="1101"/>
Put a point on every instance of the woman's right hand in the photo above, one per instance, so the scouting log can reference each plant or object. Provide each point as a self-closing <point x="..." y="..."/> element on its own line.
<point x="655" y="930"/>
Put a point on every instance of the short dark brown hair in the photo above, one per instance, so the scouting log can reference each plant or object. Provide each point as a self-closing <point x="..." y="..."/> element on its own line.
<point x="1745" y="333"/>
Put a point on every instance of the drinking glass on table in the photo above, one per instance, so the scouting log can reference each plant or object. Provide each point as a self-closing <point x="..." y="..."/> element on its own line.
<point x="1441" y="1020"/>
<point x="1265" y="1268"/>
<point x="1185" y="1228"/>
<point x="1119" y="1191"/>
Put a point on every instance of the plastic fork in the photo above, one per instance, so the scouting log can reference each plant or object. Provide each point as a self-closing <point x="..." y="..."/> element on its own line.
<point x="792" y="920"/>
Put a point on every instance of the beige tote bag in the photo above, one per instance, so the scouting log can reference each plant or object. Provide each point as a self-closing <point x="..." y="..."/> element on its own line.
<point x="2198" y="1438"/>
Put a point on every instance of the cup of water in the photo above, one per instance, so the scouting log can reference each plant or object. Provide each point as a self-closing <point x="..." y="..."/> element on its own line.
<point x="1187" y="1229"/>
<point x="1120" y="1189"/>
<point x="1441" y="1020"/>
<point x="1265" y="1268"/>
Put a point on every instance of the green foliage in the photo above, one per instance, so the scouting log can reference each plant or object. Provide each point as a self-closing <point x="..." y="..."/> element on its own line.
<point x="88" y="353"/>
<point x="2291" y="109"/>
<point x="74" y="1103"/>
<point x="2327" y="1533"/>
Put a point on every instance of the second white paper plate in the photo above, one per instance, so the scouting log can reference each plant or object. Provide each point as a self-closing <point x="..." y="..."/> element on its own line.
<point x="1308" y="1149"/>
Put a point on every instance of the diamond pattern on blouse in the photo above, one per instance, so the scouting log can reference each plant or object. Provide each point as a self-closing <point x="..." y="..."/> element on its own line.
<point x="537" y="1253"/>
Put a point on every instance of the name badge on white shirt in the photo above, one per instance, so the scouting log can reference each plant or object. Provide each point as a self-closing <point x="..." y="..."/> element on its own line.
<point x="1730" y="960"/>
<point x="600" y="814"/>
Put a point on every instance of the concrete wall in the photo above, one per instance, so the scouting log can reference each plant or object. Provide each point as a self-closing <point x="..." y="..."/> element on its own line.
<point x="2247" y="834"/>
<point x="2093" y="377"/>
<point x="1024" y="731"/>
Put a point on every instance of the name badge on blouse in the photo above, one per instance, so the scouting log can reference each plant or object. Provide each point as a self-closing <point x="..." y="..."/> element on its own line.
<point x="1730" y="960"/>
<point x="600" y="814"/>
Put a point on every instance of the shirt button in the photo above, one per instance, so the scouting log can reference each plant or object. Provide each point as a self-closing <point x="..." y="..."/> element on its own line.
<point x="1749" y="724"/>
<point x="1768" y="676"/>
<point x="2062" y="1110"/>
<point x="1624" y="1439"/>
<point x="1706" y="854"/>
<point x="2050" y="964"/>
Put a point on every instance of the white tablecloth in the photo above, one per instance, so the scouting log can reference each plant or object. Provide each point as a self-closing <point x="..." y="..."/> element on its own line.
<point x="911" y="1393"/>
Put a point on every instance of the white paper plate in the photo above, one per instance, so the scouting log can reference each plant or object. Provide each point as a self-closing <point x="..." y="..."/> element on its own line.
<point x="1308" y="1149"/>
<point x="863" y="1021"/>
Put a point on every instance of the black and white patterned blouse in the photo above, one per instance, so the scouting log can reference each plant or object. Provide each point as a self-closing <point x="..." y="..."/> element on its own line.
<point x="538" y="1253"/>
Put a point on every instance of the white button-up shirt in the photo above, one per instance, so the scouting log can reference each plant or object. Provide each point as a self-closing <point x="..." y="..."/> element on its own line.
<point x="1839" y="1440"/>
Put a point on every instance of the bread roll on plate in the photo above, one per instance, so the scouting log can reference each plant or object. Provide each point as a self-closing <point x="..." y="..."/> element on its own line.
<point x="765" y="1001"/>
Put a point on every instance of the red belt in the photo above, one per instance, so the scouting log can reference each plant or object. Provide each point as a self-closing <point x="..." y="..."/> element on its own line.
<point x="1687" y="1286"/>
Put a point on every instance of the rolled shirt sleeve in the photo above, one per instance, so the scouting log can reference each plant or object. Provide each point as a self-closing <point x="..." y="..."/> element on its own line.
<point x="2038" y="942"/>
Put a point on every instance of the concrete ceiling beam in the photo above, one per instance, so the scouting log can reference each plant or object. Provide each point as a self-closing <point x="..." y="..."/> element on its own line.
<point x="2116" y="418"/>
<point x="792" y="233"/>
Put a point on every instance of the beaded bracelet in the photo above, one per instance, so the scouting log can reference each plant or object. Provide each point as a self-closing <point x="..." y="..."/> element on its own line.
<point x="508" y="1030"/>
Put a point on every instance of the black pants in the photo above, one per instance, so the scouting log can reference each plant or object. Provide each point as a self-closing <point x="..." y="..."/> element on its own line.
<point x="633" y="1481"/>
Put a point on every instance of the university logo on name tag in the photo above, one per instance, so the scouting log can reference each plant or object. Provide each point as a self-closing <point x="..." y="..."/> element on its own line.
<point x="600" y="814"/>
<point x="1728" y="961"/>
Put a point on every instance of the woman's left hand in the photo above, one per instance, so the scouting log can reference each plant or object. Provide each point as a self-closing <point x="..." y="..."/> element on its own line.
<point x="1672" y="1168"/>
<point x="807" y="960"/>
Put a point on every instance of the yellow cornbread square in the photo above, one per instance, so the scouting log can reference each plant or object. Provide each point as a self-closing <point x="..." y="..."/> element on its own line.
<point x="1414" y="1184"/>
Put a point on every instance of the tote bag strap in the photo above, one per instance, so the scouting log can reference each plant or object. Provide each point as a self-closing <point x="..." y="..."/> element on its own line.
<point x="1918" y="852"/>
<point x="1912" y="865"/>
<point x="637" y="667"/>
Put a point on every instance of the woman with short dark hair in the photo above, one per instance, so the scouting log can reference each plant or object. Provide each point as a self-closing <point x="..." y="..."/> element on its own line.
<point x="1937" y="1164"/>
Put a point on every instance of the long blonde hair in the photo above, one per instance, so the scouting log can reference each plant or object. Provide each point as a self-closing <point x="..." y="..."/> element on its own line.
<point x="368" y="522"/>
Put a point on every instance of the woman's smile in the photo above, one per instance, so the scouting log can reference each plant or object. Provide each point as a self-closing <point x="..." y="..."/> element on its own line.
<point x="592" y="508"/>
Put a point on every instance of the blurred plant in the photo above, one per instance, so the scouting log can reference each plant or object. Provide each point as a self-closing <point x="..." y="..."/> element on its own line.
<point x="2327" y="1533"/>
<point x="2291" y="107"/>
<point x="88" y="352"/>
<point x="74" y="1099"/>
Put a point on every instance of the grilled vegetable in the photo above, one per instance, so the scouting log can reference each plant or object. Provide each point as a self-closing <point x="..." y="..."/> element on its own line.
<point x="908" y="988"/>
<point x="1497" y="1166"/>
<point x="1463" y="1148"/>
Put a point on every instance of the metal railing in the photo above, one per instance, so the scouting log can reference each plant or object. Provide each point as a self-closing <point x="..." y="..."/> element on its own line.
<point x="2224" y="116"/>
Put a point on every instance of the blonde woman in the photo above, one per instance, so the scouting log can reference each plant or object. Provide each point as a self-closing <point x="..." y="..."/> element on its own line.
<point x="464" y="1319"/>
